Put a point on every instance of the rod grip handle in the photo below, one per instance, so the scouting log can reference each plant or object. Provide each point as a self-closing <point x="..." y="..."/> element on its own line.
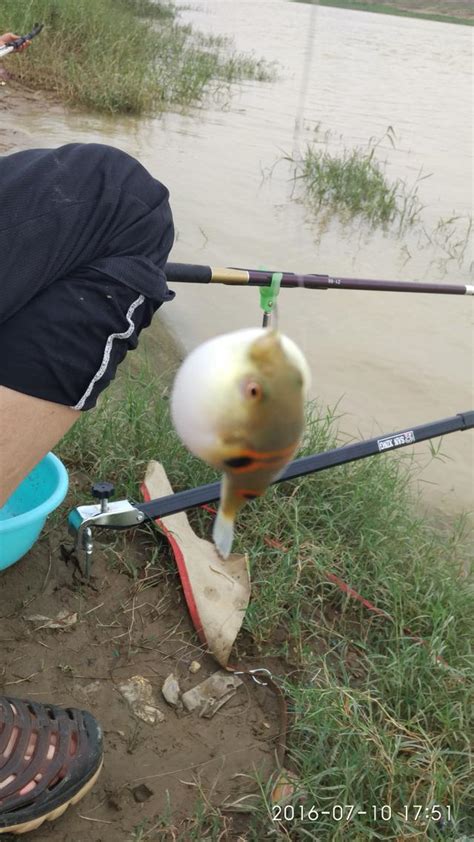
<point x="188" y="273"/>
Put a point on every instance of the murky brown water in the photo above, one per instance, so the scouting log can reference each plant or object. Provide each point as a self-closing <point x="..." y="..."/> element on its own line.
<point x="393" y="360"/>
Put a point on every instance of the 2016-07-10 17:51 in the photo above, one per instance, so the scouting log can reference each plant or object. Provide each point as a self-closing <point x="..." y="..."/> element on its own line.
<point x="346" y="812"/>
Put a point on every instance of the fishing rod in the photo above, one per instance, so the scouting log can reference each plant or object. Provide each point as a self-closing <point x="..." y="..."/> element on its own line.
<point x="15" y="45"/>
<point x="192" y="274"/>
<point x="124" y="514"/>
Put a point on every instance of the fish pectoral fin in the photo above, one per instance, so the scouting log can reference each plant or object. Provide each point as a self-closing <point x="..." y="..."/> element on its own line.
<point x="268" y="350"/>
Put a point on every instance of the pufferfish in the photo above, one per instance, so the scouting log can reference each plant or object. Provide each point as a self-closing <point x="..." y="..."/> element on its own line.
<point x="238" y="403"/>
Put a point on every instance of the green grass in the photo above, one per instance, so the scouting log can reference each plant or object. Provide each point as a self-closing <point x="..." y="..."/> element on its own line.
<point x="436" y="11"/>
<point x="375" y="719"/>
<point x="451" y="239"/>
<point x="353" y="183"/>
<point x="123" y="56"/>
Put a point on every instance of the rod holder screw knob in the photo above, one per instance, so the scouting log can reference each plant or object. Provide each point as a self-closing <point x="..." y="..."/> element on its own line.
<point x="103" y="490"/>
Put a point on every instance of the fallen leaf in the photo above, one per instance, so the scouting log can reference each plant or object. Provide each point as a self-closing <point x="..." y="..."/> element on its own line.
<point x="63" y="620"/>
<point x="284" y="788"/>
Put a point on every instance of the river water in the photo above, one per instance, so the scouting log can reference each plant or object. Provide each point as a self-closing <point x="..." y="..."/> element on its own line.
<point x="343" y="77"/>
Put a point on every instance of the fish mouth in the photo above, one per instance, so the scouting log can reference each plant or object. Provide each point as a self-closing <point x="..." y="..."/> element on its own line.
<point x="253" y="460"/>
<point x="239" y="462"/>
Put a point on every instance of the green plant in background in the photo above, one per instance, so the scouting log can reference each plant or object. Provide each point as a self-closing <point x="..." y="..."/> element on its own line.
<point x="353" y="183"/>
<point x="445" y="11"/>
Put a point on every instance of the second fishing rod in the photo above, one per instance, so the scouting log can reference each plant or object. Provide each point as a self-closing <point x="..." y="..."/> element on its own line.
<point x="14" y="46"/>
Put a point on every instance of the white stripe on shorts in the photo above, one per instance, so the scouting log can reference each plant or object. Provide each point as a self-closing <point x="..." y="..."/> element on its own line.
<point x="108" y="348"/>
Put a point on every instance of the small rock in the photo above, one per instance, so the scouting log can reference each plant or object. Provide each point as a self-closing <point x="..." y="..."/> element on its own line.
<point x="171" y="690"/>
<point x="194" y="666"/>
<point x="92" y="689"/>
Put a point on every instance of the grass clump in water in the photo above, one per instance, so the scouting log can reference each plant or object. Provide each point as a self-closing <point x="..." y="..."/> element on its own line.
<point x="353" y="183"/>
<point x="122" y="56"/>
<point x="376" y="717"/>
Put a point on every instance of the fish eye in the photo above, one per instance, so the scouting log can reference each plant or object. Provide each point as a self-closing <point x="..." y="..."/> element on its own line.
<point x="253" y="390"/>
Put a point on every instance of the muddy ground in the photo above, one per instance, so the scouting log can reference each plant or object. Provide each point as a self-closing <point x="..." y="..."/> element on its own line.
<point x="15" y="104"/>
<point x="131" y="620"/>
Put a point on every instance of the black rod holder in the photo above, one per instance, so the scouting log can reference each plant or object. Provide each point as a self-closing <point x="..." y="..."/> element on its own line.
<point x="203" y="494"/>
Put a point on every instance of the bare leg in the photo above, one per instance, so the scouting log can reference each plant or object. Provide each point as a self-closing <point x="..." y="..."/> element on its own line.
<point x="29" y="428"/>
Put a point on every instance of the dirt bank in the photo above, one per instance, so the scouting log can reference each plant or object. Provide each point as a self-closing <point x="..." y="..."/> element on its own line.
<point x="17" y="105"/>
<point x="129" y="625"/>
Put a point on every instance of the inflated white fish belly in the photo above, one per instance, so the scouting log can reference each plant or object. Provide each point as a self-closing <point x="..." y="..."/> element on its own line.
<point x="238" y="404"/>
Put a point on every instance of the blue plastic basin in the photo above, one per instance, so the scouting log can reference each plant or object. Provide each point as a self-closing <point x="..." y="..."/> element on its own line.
<point x="24" y="514"/>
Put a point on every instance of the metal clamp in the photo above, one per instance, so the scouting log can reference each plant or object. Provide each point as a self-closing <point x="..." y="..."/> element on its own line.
<point x="120" y="514"/>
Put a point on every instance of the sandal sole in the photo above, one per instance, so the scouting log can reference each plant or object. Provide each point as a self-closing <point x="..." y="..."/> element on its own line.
<point x="26" y="827"/>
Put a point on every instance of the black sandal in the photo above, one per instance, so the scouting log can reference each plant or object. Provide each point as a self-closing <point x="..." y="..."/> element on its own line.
<point x="50" y="757"/>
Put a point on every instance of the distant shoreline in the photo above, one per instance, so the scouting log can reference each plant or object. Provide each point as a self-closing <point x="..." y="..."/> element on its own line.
<point x="431" y="11"/>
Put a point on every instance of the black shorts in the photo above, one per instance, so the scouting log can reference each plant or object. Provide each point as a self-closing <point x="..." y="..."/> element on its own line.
<point x="66" y="343"/>
<point x="85" y="232"/>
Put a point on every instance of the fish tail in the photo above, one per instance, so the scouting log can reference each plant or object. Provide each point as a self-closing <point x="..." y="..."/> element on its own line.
<point x="223" y="533"/>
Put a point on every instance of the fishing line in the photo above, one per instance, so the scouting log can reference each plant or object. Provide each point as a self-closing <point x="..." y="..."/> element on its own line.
<point x="303" y="94"/>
